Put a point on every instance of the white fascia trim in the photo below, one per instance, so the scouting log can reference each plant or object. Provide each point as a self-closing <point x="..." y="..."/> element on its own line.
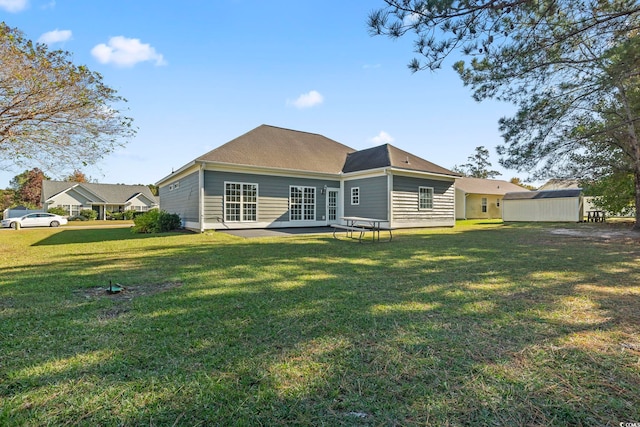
<point x="133" y="197"/>
<point x="259" y="170"/>
<point x="369" y="173"/>
<point x="431" y="175"/>
<point x="183" y="171"/>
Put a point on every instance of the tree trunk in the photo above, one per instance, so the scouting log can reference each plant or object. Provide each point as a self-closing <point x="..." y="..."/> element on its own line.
<point x="634" y="145"/>
<point x="636" y="226"/>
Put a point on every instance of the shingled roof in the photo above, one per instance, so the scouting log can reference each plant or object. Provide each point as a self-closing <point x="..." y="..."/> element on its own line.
<point x="274" y="147"/>
<point x="389" y="156"/>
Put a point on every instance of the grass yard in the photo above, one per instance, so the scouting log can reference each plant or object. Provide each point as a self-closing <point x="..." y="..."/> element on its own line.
<point x="483" y="324"/>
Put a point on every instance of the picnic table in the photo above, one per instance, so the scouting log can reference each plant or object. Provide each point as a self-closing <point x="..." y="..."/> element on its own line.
<point x="595" y="216"/>
<point x="361" y="225"/>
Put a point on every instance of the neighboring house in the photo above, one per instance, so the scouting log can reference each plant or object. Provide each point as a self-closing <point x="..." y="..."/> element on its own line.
<point x="543" y="206"/>
<point x="275" y="177"/>
<point x="482" y="198"/>
<point x="102" y="198"/>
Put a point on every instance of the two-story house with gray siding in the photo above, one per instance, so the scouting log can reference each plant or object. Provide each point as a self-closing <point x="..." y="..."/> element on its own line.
<point x="273" y="177"/>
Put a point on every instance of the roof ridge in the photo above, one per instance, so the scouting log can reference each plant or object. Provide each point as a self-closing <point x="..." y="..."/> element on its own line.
<point x="291" y="130"/>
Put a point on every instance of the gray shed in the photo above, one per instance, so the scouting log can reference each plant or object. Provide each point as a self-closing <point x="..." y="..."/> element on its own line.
<point x="544" y="206"/>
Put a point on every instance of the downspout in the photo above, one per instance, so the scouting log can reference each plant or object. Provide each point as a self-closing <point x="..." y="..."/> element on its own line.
<point x="201" y="196"/>
<point x="389" y="197"/>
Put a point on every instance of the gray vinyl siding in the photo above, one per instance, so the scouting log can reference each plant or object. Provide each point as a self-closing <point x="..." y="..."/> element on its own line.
<point x="182" y="200"/>
<point x="405" y="200"/>
<point x="373" y="198"/>
<point x="273" y="195"/>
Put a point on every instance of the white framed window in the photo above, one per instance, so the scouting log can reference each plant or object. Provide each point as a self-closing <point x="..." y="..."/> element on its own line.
<point x="72" y="210"/>
<point x="302" y="203"/>
<point x="498" y="202"/>
<point x="355" y="196"/>
<point x="240" y="202"/>
<point x="484" y="205"/>
<point x="425" y="198"/>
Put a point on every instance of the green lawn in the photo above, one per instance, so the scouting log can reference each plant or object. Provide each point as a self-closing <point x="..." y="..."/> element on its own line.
<point x="482" y="324"/>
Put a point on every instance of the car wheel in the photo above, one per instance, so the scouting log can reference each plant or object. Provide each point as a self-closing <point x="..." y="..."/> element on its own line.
<point x="14" y="225"/>
<point x="54" y="223"/>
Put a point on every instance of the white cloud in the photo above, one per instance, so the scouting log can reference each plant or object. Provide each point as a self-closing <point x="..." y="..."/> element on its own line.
<point x="13" y="5"/>
<point x="307" y="100"/>
<point x="55" y="36"/>
<point x="382" y="138"/>
<point x="411" y="18"/>
<point x="125" y="52"/>
<point x="371" y="66"/>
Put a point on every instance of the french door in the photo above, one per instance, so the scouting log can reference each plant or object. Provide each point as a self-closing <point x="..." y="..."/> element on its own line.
<point x="332" y="205"/>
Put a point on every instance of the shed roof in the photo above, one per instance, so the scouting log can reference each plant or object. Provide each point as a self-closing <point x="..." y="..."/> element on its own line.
<point x="487" y="186"/>
<point x="547" y="194"/>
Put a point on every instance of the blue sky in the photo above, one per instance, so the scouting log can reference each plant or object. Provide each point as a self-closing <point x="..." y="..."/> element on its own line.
<point x="200" y="73"/>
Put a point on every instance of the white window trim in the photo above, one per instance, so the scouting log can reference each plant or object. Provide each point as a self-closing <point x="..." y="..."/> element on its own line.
<point x="431" y="191"/>
<point x="355" y="196"/>
<point x="303" y="204"/>
<point x="242" y="202"/>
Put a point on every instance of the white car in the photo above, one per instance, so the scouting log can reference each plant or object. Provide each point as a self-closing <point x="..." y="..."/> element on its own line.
<point x="35" y="220"/>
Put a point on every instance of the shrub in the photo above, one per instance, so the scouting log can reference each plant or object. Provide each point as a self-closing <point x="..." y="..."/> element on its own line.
<point x="155" y="221"/>
<point x="169" y="221"/>
<point x="129" y="215"/>
<point x="58" y="210"/>
<point x="115" y="215"/>
<point x="88" y="214"/>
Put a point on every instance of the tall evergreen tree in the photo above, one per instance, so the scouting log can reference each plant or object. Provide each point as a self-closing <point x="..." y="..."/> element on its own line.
<point x="566" y="65"/>
<point x="478" y="165"/>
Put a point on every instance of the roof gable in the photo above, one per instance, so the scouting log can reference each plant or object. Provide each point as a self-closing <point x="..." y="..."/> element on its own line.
<point x="560" y="184"/>
<point x="487" y="186"/>
<point x="274" y="147"/>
